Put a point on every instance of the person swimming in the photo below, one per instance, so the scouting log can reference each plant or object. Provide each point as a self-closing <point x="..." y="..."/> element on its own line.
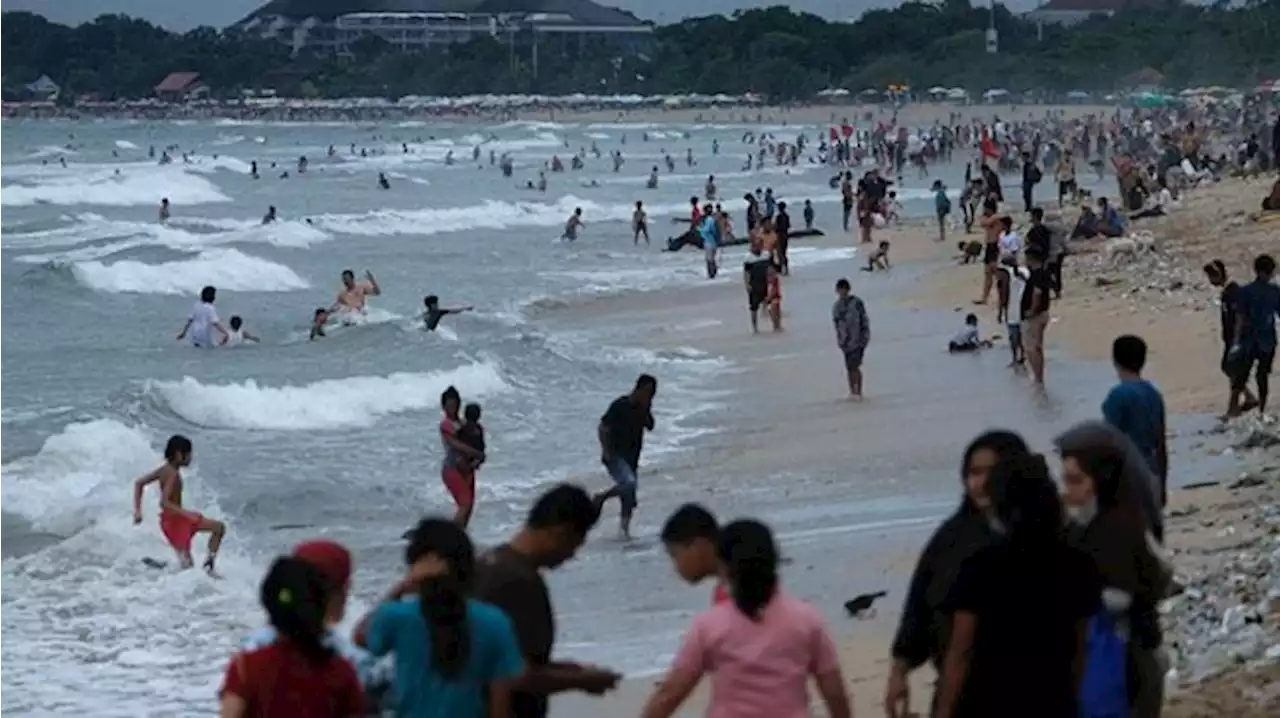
<point x="317" y="323"/>
<point x="353" y="295"/>
<point x="572" y="226"/>
<point x="270" y="216"/>
<point x="164" y="210"/>
<point x="434" y="312"/>
<point x="238" y="335"/>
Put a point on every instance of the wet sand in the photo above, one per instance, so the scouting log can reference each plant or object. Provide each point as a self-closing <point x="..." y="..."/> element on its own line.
<point x="852" y="488"/>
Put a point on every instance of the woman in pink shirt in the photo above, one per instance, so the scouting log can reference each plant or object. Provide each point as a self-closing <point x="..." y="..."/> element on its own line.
<point x="761" y="649"/>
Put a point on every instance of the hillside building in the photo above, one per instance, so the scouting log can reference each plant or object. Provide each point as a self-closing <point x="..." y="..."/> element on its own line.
<point x="332" y="26"/>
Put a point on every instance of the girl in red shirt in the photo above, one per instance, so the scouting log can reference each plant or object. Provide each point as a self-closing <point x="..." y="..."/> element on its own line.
<point x="298" y="675"/>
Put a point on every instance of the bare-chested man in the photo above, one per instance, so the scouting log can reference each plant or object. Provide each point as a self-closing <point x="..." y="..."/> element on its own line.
<point x="177" y="523"/>
<point x="352" y="296"/>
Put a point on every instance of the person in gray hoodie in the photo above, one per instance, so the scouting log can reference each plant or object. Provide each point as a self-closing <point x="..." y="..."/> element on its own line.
<point x="853" y="333"/>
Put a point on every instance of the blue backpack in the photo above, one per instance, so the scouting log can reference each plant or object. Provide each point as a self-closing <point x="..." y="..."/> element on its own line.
<point x="1104" y="692"/>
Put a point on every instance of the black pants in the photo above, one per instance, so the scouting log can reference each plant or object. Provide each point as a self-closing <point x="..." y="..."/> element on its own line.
<point x="1055" y="275"/>
<point x="1027" y="189"/>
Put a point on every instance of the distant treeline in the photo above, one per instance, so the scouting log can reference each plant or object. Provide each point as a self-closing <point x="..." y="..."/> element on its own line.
<point x="774" y="52"/>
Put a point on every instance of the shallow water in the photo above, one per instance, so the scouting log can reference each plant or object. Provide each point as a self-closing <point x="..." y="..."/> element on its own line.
<point x="337" y="437"/>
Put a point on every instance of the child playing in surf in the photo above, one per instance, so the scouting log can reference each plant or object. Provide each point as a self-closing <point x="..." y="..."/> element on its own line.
<point x="773" y="295"/>
<point x="472" y="434"/>
<point x="317" y="323"/>
<point x="177" y="524"/>
<point x="433" y="312"/>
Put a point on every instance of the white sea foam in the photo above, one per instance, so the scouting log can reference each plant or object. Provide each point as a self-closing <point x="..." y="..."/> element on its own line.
<point x="89" y="630"/>
<point x="126" y="145"/>
<point x="226" y="269"/>
<point x="327" y="404"/>
<point x="129" y="188"/>
<point x="95" y="237"/>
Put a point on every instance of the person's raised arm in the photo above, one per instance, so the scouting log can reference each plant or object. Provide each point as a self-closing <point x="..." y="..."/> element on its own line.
<point x="369" y="630"/>
<point x="374" y="289"/>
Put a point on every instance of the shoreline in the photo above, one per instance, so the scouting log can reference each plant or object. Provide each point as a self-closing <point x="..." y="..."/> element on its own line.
<point x="794" y="379"/>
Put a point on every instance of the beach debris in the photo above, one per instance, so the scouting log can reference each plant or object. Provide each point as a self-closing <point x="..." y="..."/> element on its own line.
<point x="1247" y="481"/>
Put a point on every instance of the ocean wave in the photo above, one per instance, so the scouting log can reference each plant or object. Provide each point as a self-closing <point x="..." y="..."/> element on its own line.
<point x="83" y="615"/>
<point x="127" y="189"/>
<point x="226" y="269"/>
<point x="327" y="404"/>
<point x="94" y="237"/>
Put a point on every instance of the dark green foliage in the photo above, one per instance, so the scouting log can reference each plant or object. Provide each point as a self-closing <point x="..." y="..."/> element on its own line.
<point x="773" y="52"/>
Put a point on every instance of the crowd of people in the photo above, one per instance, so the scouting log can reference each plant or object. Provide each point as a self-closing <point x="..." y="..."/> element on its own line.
<point x="1027" y="600"/>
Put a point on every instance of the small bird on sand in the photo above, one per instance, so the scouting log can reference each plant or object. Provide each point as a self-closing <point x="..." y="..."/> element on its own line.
<point x="859" y="605"/>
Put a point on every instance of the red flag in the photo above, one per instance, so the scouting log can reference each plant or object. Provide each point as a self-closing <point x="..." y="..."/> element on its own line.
<point x="835" y="134"/>
<point x="847" y="130"/>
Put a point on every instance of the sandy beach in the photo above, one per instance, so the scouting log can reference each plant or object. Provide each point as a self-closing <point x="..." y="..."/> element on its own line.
<point x="789" y="417"/>
<point x="913" y="115"/>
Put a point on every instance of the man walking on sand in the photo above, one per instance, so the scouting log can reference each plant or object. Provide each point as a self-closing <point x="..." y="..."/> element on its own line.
<point x="853" y="333"/>
<point x="621" y="434"/>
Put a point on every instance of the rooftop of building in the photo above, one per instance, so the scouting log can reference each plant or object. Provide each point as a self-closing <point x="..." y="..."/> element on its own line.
<point x="583" y="12"/>
<point x="1102" y="6"/>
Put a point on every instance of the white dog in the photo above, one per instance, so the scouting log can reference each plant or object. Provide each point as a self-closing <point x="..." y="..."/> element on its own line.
<point x="1129" y="248"/>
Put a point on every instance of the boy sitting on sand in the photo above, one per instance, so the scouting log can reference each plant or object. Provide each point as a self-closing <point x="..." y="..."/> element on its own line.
<point x="968" y="339"/>
<point x="879" y="259"/>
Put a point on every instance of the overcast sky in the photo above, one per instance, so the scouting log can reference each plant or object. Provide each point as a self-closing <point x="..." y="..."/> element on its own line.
<point x="186" y="14"/>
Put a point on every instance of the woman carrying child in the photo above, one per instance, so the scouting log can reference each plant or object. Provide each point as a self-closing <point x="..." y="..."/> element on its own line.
<point x="457" y="470"/>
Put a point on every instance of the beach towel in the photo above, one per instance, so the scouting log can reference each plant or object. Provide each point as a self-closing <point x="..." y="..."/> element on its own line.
<point x="1104" y="692"/>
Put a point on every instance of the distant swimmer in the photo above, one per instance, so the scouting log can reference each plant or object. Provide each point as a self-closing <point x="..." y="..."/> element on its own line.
<point x="433" y="312"/>
<point x="710" y="191"/>
<point x="572" y="226"/>
<point x="653" y="178"/>
<point x="164" y="210"/>
<point x="177" y="524"/>
<point x="640" y="224"/>
<point x="270" y="216"/>
<point x="238" y="334"/>
<point x="203" y="320"/>
<point x="352" y="296"/>
<point x="318" y="321"/>
<point x="253" y="169"/>
<point x="542" y="181"/>
<point x="382" y="181"/>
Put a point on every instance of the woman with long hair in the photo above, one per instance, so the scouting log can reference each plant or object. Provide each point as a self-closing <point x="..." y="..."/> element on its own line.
<point x="924" y="625"/>
<point x="1019" y="607"/>
<point x="761" y="649"/>
<point x="297" y="675"/>
<point x="457" y="469"/>
<point x="454" y="656"/>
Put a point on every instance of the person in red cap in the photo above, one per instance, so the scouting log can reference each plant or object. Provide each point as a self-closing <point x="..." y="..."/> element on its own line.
<point x="333" y="560"/>
<point x="298" y="673"/>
